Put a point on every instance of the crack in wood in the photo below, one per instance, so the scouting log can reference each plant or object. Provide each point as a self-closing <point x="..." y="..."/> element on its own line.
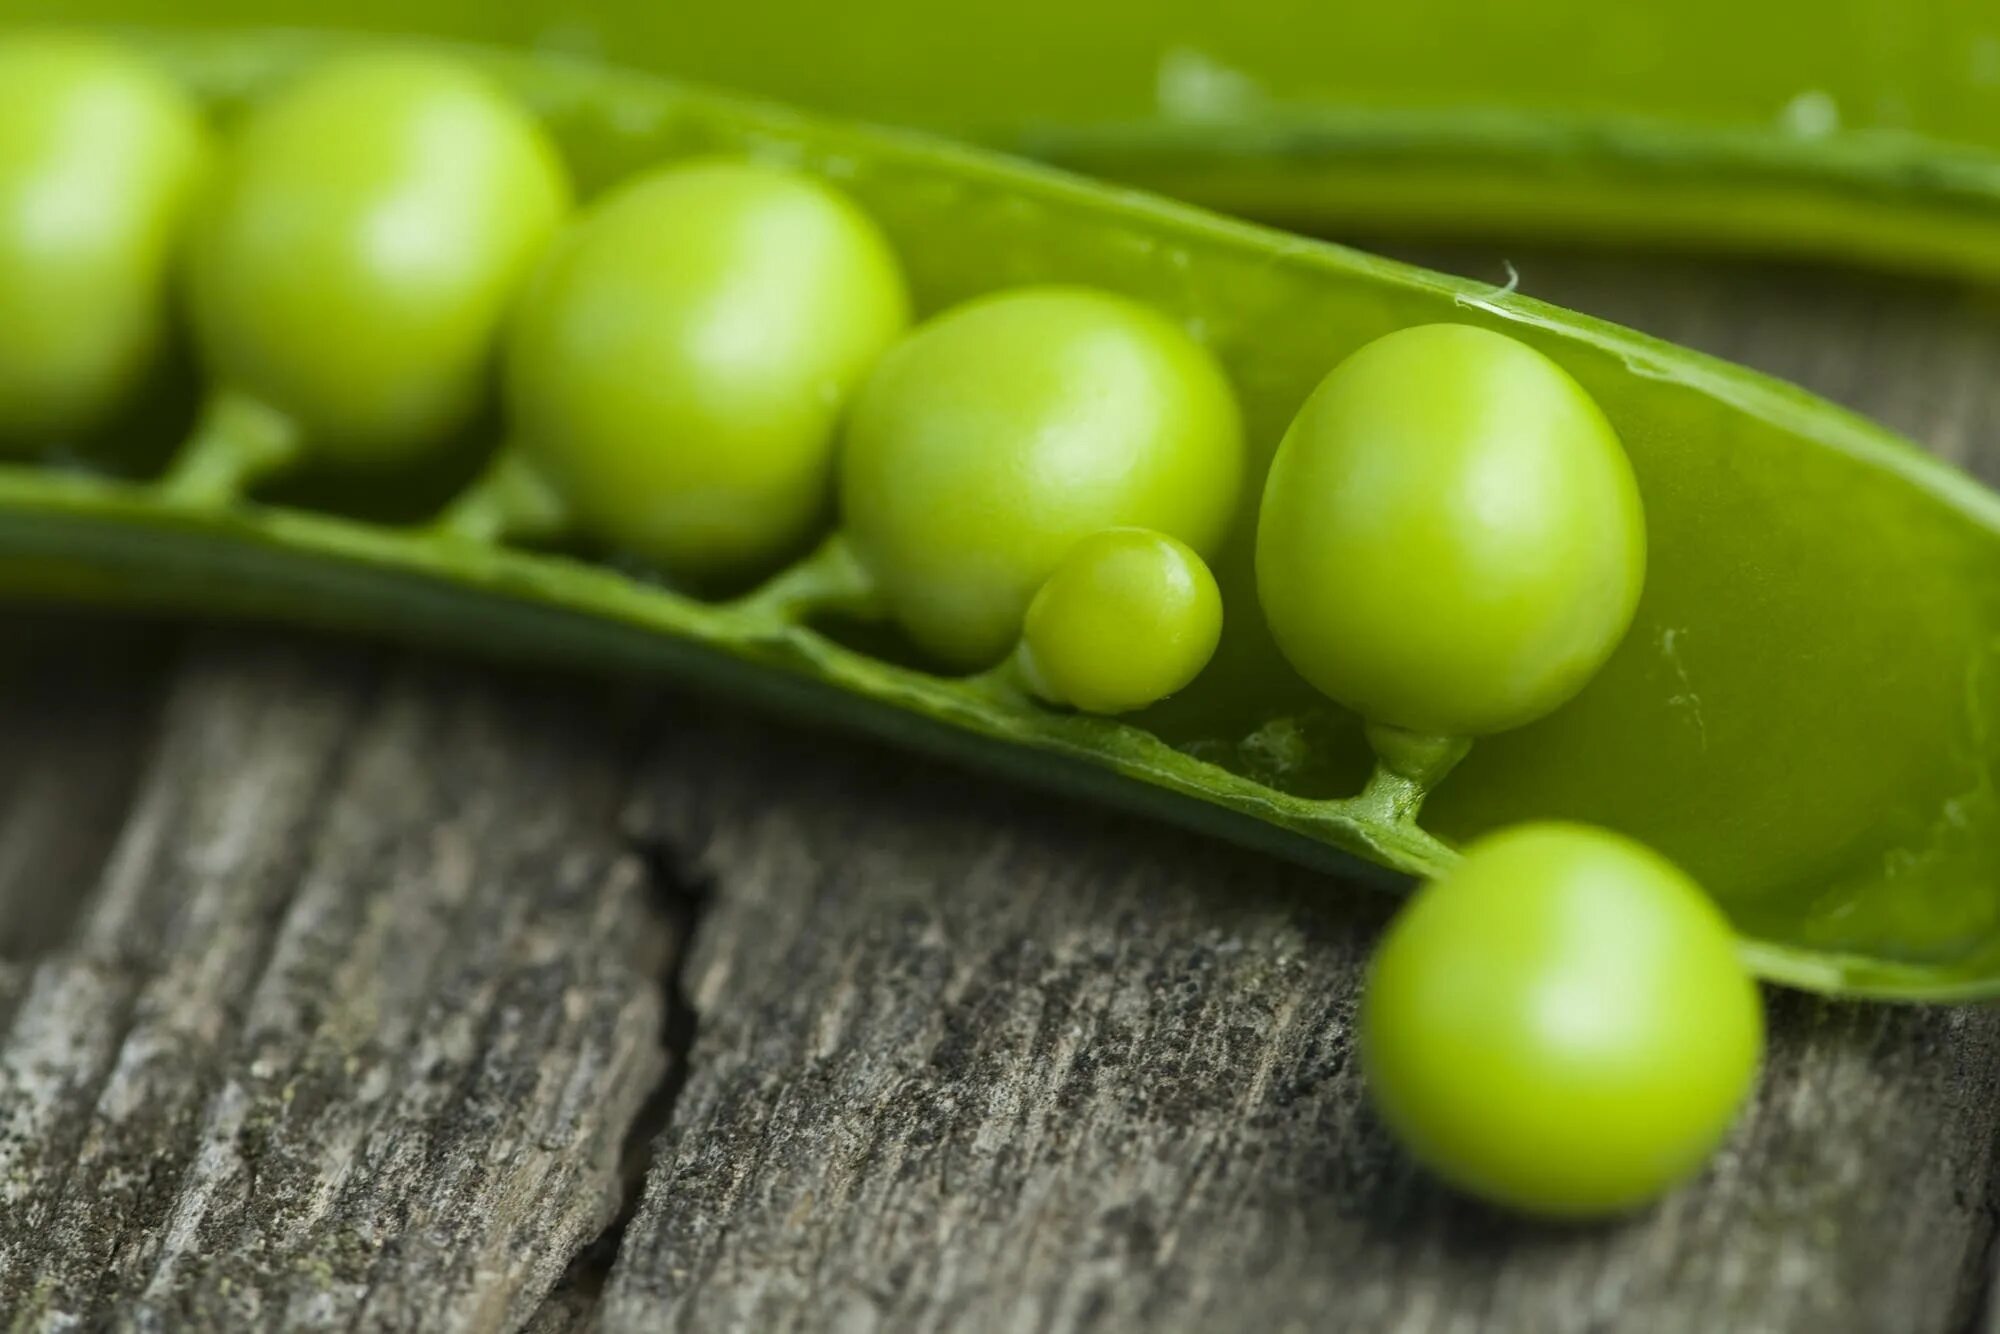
<point x="681" y="896"/>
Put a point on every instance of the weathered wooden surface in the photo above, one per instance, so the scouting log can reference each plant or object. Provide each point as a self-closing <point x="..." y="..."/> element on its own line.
<point x="338" y="990"/>
<point x="354" y="1020"/>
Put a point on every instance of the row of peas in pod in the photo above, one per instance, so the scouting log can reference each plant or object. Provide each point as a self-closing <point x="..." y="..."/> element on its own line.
<point x="697" y="365"/>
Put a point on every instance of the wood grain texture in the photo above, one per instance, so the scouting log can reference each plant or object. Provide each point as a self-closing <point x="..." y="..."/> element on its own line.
<point x="352" y="1030"/>
<point x="334" y="988"/>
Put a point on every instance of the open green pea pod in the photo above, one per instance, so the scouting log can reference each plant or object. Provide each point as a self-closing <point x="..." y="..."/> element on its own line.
<point x="1797" y="714"/>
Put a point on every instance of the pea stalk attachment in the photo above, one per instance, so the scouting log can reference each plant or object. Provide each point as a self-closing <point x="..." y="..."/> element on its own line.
<point x="511" y="502"/>
<point x="238" y="442"/>
<point x="830" y="582"/>
<point x="1408" y="768"/>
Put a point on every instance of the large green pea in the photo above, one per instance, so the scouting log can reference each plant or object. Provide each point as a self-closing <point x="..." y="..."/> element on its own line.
<point x="1003" y="432"/>
<point x="100" y="158"/>
<point x="1451" y="539"/>
<point x="1561" y="1024"/>
<point x="369" y="231"/>
<point x="679" y="367"/>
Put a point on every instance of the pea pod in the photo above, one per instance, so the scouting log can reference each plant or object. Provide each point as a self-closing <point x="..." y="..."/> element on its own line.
<point x="1798" y="715"/>
<point x="1869" y="131"/>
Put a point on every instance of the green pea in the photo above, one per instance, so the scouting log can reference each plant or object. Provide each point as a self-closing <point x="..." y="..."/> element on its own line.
<point x="1562" y="1024"/>
<point x="1451" y="539"/>
<point x="370" y="229"/>
<point x="1001" y="433"/>
<point x="1128" y="618"/>
<point x="100" y="158"/>
<point x="680" y="365"/>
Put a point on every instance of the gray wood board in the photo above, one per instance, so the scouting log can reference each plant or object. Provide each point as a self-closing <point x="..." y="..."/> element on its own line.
<point x="350" y="1028"/>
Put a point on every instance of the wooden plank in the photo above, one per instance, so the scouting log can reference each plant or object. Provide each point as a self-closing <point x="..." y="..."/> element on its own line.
<point x="967" y="1059"/>
<point x="353" y="1030"/>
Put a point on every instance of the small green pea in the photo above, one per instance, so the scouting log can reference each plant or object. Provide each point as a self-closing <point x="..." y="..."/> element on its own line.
<point x="1001" y="433"/>
<point x="679" y="367"/>
<point x="1451" y="539"/>
<point x="370" y="229"/>
<point x="100" y="159"/>
<point x="1128" y="618"/>
<point x="1561" y="1024"/>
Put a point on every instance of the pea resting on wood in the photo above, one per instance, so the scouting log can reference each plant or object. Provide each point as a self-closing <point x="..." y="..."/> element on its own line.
<point x="100" y="159"/>
<point x="1562" y="1023"/>
<point x="679" y="365"/>
<point x="370" y="227"/>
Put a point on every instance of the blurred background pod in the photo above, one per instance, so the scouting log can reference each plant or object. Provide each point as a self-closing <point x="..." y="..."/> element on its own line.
<point x="1861" y="130"/>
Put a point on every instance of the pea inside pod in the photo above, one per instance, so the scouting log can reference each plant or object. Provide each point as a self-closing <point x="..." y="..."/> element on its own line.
<point x="370" y="227"/>
<point x="678" y="368"/>
<point x="100" y="160"/>
<point x="1451" y="541"/>
<point x="986" y="445"/>
<point x="1128" y="618"/>
<point x="679" y="365"/>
